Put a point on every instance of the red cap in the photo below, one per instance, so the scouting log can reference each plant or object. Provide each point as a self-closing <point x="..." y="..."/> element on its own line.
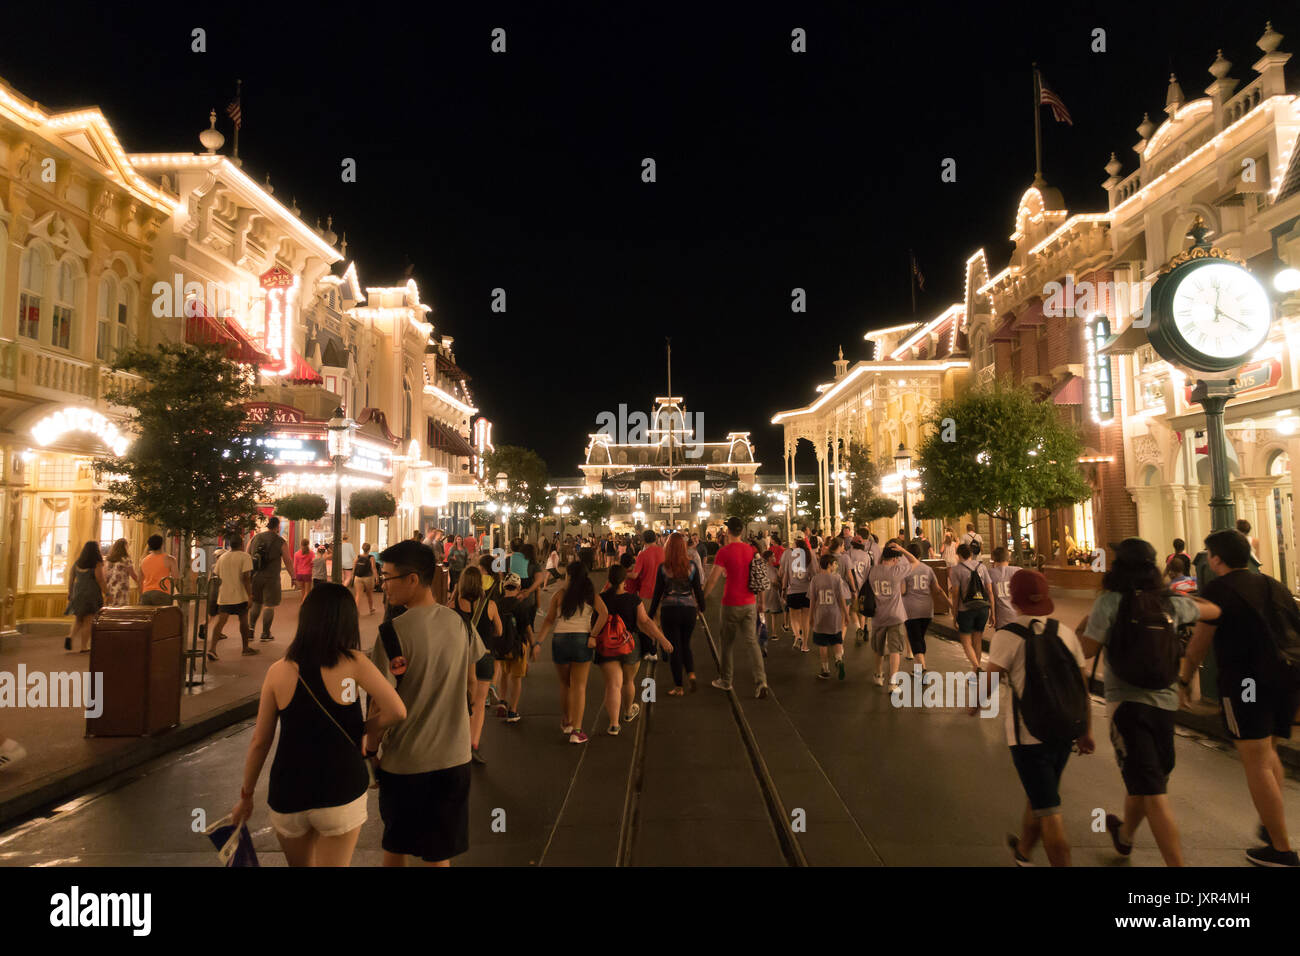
<point x="1029" y="592"/>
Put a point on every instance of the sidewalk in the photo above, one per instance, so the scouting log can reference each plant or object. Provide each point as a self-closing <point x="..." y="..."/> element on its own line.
<point x="62" y="761"/>
<point x="1070" y="610"/>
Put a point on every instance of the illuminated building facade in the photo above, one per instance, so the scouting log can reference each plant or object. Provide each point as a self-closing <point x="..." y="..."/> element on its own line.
<point x="663" y="473"/>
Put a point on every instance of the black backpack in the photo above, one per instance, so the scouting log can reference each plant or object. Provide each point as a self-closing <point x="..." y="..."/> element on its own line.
<point x="1054" y="704"/>
<point x="262" y="560"/>
<point x="508" y="644"/>
<point x="1281" y="622"/>
<point x="976" y="597"/>
<point x="1143" y="646"/>
<point x="867" y="595"/>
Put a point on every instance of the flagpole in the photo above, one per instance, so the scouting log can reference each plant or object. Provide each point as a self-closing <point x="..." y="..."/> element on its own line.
<point x="239" y="88"/>
<point x="911" y="277"/>
<point x="1038" y="130"/>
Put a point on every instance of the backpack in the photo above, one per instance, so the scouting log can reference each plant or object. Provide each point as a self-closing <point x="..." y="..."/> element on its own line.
<point x="1143" y="647"/>
<point x="758" y="583"/>
<point x="262" y="560"/>
<point x="508" y="644"/>
<point x="866" y="595"/>
<point x="1054" y="704"/>
<point x="614" y="640"/>
<point x="1281" y="622"/>
<point x="362" y="566"/>
<point x="976" y="597"/>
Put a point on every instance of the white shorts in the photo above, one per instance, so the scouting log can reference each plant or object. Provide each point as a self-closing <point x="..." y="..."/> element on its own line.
<point x="327" y="821"/>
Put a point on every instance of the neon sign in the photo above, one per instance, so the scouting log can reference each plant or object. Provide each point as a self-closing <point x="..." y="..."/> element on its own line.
<point x="281" y="303"/>
<point x="1096" y="330"/>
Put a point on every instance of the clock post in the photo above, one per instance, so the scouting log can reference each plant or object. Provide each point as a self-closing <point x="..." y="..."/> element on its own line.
<point x="1213" y="395"/>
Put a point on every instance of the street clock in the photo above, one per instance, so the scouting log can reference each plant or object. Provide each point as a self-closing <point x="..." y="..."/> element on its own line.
<point x="1208" y="312"/>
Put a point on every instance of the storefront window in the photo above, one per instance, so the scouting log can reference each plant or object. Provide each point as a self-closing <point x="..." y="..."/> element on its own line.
<point x="111" y="527"/>
<point x="52" y="541"/>
<point x="1083" y="533"/>
<point x="1027" y="529"/>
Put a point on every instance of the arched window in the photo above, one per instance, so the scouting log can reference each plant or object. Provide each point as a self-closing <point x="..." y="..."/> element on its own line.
<point x="125" y="315"/>
<point x="61" y="324"/>
<point x="31" y="289"/>
<point x="406" y="411"/>
<point x="105" y="316"/>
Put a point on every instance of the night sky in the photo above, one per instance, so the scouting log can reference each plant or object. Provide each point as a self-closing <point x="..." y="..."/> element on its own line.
<point x="523" y="170"/>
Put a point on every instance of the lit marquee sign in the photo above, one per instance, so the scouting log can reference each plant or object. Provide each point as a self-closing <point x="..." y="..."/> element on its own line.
<point x="279" y="308"/>
<point x="73" y="419"/>
<point x="370" y="458"/>
<point x="1096" y="330"/>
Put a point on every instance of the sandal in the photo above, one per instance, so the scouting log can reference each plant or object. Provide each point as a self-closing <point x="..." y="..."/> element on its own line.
<point x="250" y="651"/>
<point x="212" y="656"/>
<point x="677" y="692"/>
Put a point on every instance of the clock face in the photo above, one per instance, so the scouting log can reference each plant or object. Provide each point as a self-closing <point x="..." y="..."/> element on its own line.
<point x="1220" y="311"/>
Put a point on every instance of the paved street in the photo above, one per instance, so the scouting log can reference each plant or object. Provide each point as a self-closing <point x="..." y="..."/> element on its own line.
<point x="877" y="785"/>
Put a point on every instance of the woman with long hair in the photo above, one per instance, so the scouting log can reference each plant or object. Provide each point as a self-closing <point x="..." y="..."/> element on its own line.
<point x="479" y="609"/>
<point x="319" y="780"/>
<point x="620" y="670"/>
<point x="119" y="573"/>
<point x="679" y="599"/>
<point x="86" y="585"/>
<point x="576" y="615"/>
<point x="796" y="571"/>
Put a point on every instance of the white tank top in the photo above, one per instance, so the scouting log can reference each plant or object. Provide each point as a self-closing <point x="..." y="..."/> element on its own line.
<point x="577" y="623"/>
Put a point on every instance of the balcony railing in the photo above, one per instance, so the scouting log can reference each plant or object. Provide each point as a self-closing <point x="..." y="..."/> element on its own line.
<point x="29" y="369"/>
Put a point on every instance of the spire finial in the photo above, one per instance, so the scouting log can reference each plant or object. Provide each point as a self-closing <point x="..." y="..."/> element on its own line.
<point x="211" y="137"/>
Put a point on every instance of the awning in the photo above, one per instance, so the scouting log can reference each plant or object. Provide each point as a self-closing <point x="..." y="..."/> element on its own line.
<point x="247" y="350"/>
<point x="448" y="440"/>
<point x="449" y="368"/>
<point x="302" y="373"/>
<point x="1126" y="342"/>
<point x="1068" y="391"/>
<point x="204" y="329"/>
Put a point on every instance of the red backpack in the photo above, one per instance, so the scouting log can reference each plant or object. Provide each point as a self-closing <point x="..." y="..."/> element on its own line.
<point x="614" y="640"/>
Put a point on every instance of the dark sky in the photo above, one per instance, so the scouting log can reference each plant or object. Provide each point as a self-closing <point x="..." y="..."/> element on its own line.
<point x="523" y="170"/>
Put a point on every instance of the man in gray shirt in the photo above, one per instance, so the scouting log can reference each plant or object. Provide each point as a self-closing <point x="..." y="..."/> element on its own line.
<point x="428" y="652"/>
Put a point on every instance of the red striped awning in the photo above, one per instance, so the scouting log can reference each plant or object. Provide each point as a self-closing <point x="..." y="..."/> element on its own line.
<point x="302" y="373"/>
<point x="204" y="329"/>
<point x="443" y="438"/>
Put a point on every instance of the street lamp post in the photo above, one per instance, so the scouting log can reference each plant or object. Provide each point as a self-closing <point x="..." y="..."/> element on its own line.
<point x="340" y="449"/>
<point x="503" y="485"/>
<point x="903" y="465"/>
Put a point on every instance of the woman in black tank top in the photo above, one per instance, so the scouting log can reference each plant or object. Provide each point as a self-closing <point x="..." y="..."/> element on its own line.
<point x="469" y="593"/>
<point x="319" y="778"/>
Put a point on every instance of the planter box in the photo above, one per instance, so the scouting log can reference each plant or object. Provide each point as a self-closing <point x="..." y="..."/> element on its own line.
<point x="1074" y="581"/>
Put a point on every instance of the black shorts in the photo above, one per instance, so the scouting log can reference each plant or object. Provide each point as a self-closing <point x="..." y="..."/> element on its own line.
<point x="797" y="602"/>
<point x="828" y="640"/>
<point x="1143" y="737"/>
<point x="1270" y="714"/>
<point x="916" y="628"/>
<point x="485" y="667"/>
<point x="425" y="814"/>
<point x="1040" y="767"/>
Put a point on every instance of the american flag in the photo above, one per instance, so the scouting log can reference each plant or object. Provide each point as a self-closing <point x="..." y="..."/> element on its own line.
<point x="916" y="271"/>
<point x="234" y="113"/>
<point x="1059" y="112"/>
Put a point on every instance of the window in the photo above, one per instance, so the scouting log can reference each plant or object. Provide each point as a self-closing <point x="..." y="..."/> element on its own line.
<point x="61" y="326"/>
<point x="111" y="527"/>
<point x="31" y="285"/>
<point x="1083" y="532"/>
<point x="52" y="542"/>
<point x="107" y="305"/>
<point x="406" y="411"/>
<point x="125" y="309"/>
<point x="1027" y="529"/>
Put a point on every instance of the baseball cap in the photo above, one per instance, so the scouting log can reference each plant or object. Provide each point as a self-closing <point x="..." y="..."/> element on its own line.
<point x="798" y="535"/>
<point x="1029" y="592"/>
<point x="511" y="580"/>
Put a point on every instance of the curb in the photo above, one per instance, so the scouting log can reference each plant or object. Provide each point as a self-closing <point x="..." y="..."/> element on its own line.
<point x="1210" y="725"/>
<point x="62" y="784"/>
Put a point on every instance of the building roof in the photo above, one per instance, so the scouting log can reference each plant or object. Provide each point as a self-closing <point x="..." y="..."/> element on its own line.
<point x="1291" y="180"/>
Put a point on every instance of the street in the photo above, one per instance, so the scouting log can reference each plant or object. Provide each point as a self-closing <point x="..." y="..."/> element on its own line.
<point x="861" y="782"/>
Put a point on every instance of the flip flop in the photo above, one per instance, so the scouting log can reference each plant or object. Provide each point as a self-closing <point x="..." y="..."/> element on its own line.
<point x="212" y="656"/>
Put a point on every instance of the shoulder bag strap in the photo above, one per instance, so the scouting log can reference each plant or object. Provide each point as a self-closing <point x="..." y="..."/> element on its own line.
<point x="346" y="736"/>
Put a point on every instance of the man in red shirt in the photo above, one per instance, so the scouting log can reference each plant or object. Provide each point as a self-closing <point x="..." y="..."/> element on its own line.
<point x="645" y="573"/>
<point x="739" y="609"/>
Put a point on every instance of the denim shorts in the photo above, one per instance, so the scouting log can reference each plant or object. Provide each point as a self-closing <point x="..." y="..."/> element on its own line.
<point x="571" y="649"/>
<point x="972" y="621"/>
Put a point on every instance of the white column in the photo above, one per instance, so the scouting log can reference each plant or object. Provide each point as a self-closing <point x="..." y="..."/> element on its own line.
<point x="835" y="457"/>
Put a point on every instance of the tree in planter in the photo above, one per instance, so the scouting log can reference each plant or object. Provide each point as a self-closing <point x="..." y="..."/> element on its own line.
<point x="592" y="509"/>
<point x="746" y="505"/>
<point x="1010" y="452"/>
<point x="196" y="463"/>
<point x="302" y="507"/>
<point x="877" y="507"/>
<point x="525" y="479"/>
<point x="863" y="501"/>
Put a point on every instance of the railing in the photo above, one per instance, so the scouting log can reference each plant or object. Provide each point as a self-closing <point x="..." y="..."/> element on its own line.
<point x="28" y="368"/>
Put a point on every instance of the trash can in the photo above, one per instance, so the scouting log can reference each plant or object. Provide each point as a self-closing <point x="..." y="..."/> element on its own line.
<point x="138" y="650"/>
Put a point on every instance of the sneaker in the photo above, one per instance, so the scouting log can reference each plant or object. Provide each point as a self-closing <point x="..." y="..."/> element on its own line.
<point x="1267" y="856"/>
<point x="879" y="680"/>
<point x="566" y="729"/>
<point x="721" y="684"/>
<point x="11" y="751"/>
<point x="475" y="756"/>
<point x="1013" y="843"/>
<point x="503" y="710"/>
<point x="512" y="717"/>
<point x="839" y="665"/>
<point x="824" y="674"/>
<point x="613" y="731"/>
<point x="492" y="696"/>
<point x="577" y="737"/>
<point x="267" y="637"/>
<point x="761" y="693"/>
<point x="632" y="714"/>
<point x="1113" y="824"/>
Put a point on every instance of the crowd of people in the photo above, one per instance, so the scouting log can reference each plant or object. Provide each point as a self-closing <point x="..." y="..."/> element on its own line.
<point x="462" y="623"/>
